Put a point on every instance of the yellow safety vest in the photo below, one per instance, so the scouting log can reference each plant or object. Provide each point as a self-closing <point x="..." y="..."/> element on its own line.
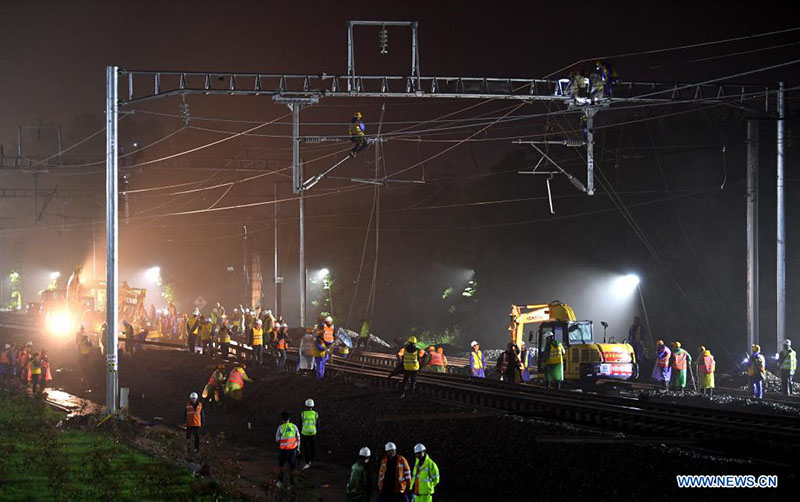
<point x="555" y="353"/>
<point x="477" y="359"/>
<point x="411" y="361"/>
<point x="258" y="336"/>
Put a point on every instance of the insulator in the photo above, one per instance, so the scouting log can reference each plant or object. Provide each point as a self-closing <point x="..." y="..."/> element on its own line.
<point x="383" y="40"/>
<point x="574" y="142"/>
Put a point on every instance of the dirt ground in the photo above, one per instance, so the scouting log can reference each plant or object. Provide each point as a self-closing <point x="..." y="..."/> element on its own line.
<point x="480" y="455"/>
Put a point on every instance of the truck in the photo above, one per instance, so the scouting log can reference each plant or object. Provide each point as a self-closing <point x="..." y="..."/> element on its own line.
<point x="585" y="361"/>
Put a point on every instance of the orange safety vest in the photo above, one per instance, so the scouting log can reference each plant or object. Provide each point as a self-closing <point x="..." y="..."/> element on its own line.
<point x="436" y="359"/>
<point x="289" y="435"/>
<point x="5" y="357"/>
<point x="707" y="365"/>
<point x="236" y="377"/>
<point x="402" y="476"/>
<point x="327" y="334"/>
<point x="680" y="360"/>
<point x="215" y="379"/>
<point x="281" y="343"/>
<point x="194" y="417"/>
<point x="663" y="362"/>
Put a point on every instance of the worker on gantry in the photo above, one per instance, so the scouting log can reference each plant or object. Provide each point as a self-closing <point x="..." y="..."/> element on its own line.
<point x="357" y="134"/>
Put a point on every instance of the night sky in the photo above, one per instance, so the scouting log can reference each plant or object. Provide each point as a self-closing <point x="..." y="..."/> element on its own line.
<point x="668" y="171"/>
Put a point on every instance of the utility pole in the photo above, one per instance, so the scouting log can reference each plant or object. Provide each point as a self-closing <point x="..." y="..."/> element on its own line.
<point x="780" y="327"/>
<point x="112" y="239"/>
<point x="276" y="254"/>
<point x="247" y="293"/>
<point x="752" y="233"/>
<point x="296" y="104"/>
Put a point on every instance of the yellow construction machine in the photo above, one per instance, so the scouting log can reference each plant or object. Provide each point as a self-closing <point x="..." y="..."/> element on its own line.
<point x="585" y="359"/>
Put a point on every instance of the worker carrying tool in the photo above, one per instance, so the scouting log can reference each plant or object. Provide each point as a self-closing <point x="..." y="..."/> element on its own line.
<point x="425" y="475"/>
<point x="554" y="360"/>
<point x="194" y="417"/>
<point x="681" y="361"/>
<point x="757" y="372"/>
<point x="394" y="475"/>
<point x="215" y="384"/>
<point x="477" y="363"/>
<point x="309" y="432"/>
<point x="234" y="386"/>
<point x="706" y="366"/>
<point x="288" y="438"/>
<point x="661" y="369"/>
<point x="357" y="134"/>
<point x="411" y="356"/>
<point x="787" y="365"/>
<point x="359" y="487"/>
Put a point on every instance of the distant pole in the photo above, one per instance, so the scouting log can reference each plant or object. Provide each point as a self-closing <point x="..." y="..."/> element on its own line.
<point x="248" y="297"/>
<point x="303" y="271"/>
<point x="278" y="278"/>
<point x="752" y="233"/>
<point x="112" y="239"/>
<point x="589" y="114"/>
<point x="646" y="318"/>
<point x="780" y="328"/>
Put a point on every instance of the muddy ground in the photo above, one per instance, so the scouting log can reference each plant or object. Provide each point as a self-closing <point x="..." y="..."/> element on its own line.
<point x="481" y="456"/>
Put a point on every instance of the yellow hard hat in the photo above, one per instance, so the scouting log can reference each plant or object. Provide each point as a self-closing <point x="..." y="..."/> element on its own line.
<point x="412" y="339"/>
<point x="677" y="345"/>
<point x="756" y="348"/>
<point x="357" y="115"/>
<point x="660" y="342"/>
<point x="702" y="348"/>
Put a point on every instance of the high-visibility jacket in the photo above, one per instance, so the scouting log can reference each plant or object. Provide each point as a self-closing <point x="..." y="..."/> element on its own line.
<point x="309" y="422"/>
<point x="289" y="436"/>
<point x="663" y="357"/>
<point x="282" y="343"/>
<point x="216" y="378"/>
<point x="205" y="331"/>
<point x="236" y="378"/>
<point x="756" y="365"/>
<point x="194" y="414"/>
<point x="706" y="363"/>
<point x="679" y="359"/>
<point x="425" y="476"/>
<point x="5" y="357"/>
<point x="35" y="366"/>
<point x="365" y="328"/>
<point x="788" y="359"/>
<point x="319" y="347"/>
<point x="327" y="334"/>
<point x="555" y="353"/>
<point x="411" y="360"/>
<point x="357" y="127"/>
<point x="258" y="336"/>
<point x="402" y="474"/>
<point x="477" y="360"/>
<point x="193" y="326"/>
<point x="84" y="347"/>
<point x="436" y="359"/>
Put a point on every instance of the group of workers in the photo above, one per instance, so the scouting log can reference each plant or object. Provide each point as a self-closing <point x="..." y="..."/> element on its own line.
<point x="397" y="481"/>
<point x="593" y="85"/>
<point x="30" y="367"/>
<point x="411" y="359"/>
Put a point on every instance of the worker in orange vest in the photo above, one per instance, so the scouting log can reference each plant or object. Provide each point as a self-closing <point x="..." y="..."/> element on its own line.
<point x="288" y="438"/>
<point x="435" y="361"/>
<point x="328" y="334"/>
<point x="681" y="361"/>
<point x="282" y="345"/>
<point x="394" y="475"/>
<point x="194" y="417"/>
<point x="705" y="371"/>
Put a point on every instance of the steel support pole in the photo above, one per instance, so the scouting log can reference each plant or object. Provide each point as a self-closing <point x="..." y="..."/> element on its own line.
<point x="780" y="326"/>
<point x="276" y="254"/>
<point x="752" y="233"/>
<point x="303" y="274"/>
<point x="590" y="150"/>
<point x="248" y="294"/>
<point x="112" y="239"/>
<point x="351" y="58"/>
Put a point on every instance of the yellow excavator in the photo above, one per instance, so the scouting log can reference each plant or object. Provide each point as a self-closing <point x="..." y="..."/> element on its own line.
<point x="585" y="359"/>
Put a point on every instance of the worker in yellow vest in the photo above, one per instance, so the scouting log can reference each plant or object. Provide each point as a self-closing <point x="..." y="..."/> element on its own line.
<point x="554" y="363"/>
<point x="193" y="330"/>
<point x="234" y="386"/>
<point x="477" y="363"/>
<point x="257" y="341"/>
<point x="194" y="417"/>
<point x="288" y="439"/>
<point x="705" y="371"/>
<point x="787" y="365"/>
<point x="425" y="475"/>
<point x="310" y="424"/>
<point x="320" y="355"/>
<point x="411" y="356"/>
<point x="206" y="328"/>
<point x="84" y="352"/>
<point x="35" y="373"/>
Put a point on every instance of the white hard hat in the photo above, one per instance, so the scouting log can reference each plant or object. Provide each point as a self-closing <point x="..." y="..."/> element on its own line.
<point x="364" y="452"/>
<point x="329" y="319"/>
<point x="193" y="395"/>
<point x="787" y="342"/>
<point x="419" y="447"/>
<point x="8" y="346"/>
<point x="276" y="324"/>
<point x="284" y="325"/>
<point x="474" y="343"/>
<point x="258" y="321"/>
<point x="390" y="446"/>
<point x="224" y="316"/>
<point x="196" y="311"/>
<point x="310" y="403"/>
<point x="269" y="312"/>
<point x="29" y="344"/>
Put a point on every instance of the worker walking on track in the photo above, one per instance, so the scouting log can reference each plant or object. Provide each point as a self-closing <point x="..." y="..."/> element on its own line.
<point x="357" y="134"/>
<point x="787" y="365"/>
<point x="394" y="476"/>
<point x="288" y="439"/>
<point x="310" y="419"/>
<point x="757" y="372"/>
<point x="554" y="363"/>
<point x="359" y="487"/>
<point x="411" y="355"/>
<point x="435" y="361"/>
<point x="706" y="366"/>
<point x="234" y="386"/>
<point x="282" y="345"/>
<point x="425" y="475"/>
<point x="194" y="417"/>
<point x="477" y="363"/>
<point x="681" y="360"/>
<point x="661" y="369"/>
<point x="320" y="355"/>
<point x="215" y="384"/>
